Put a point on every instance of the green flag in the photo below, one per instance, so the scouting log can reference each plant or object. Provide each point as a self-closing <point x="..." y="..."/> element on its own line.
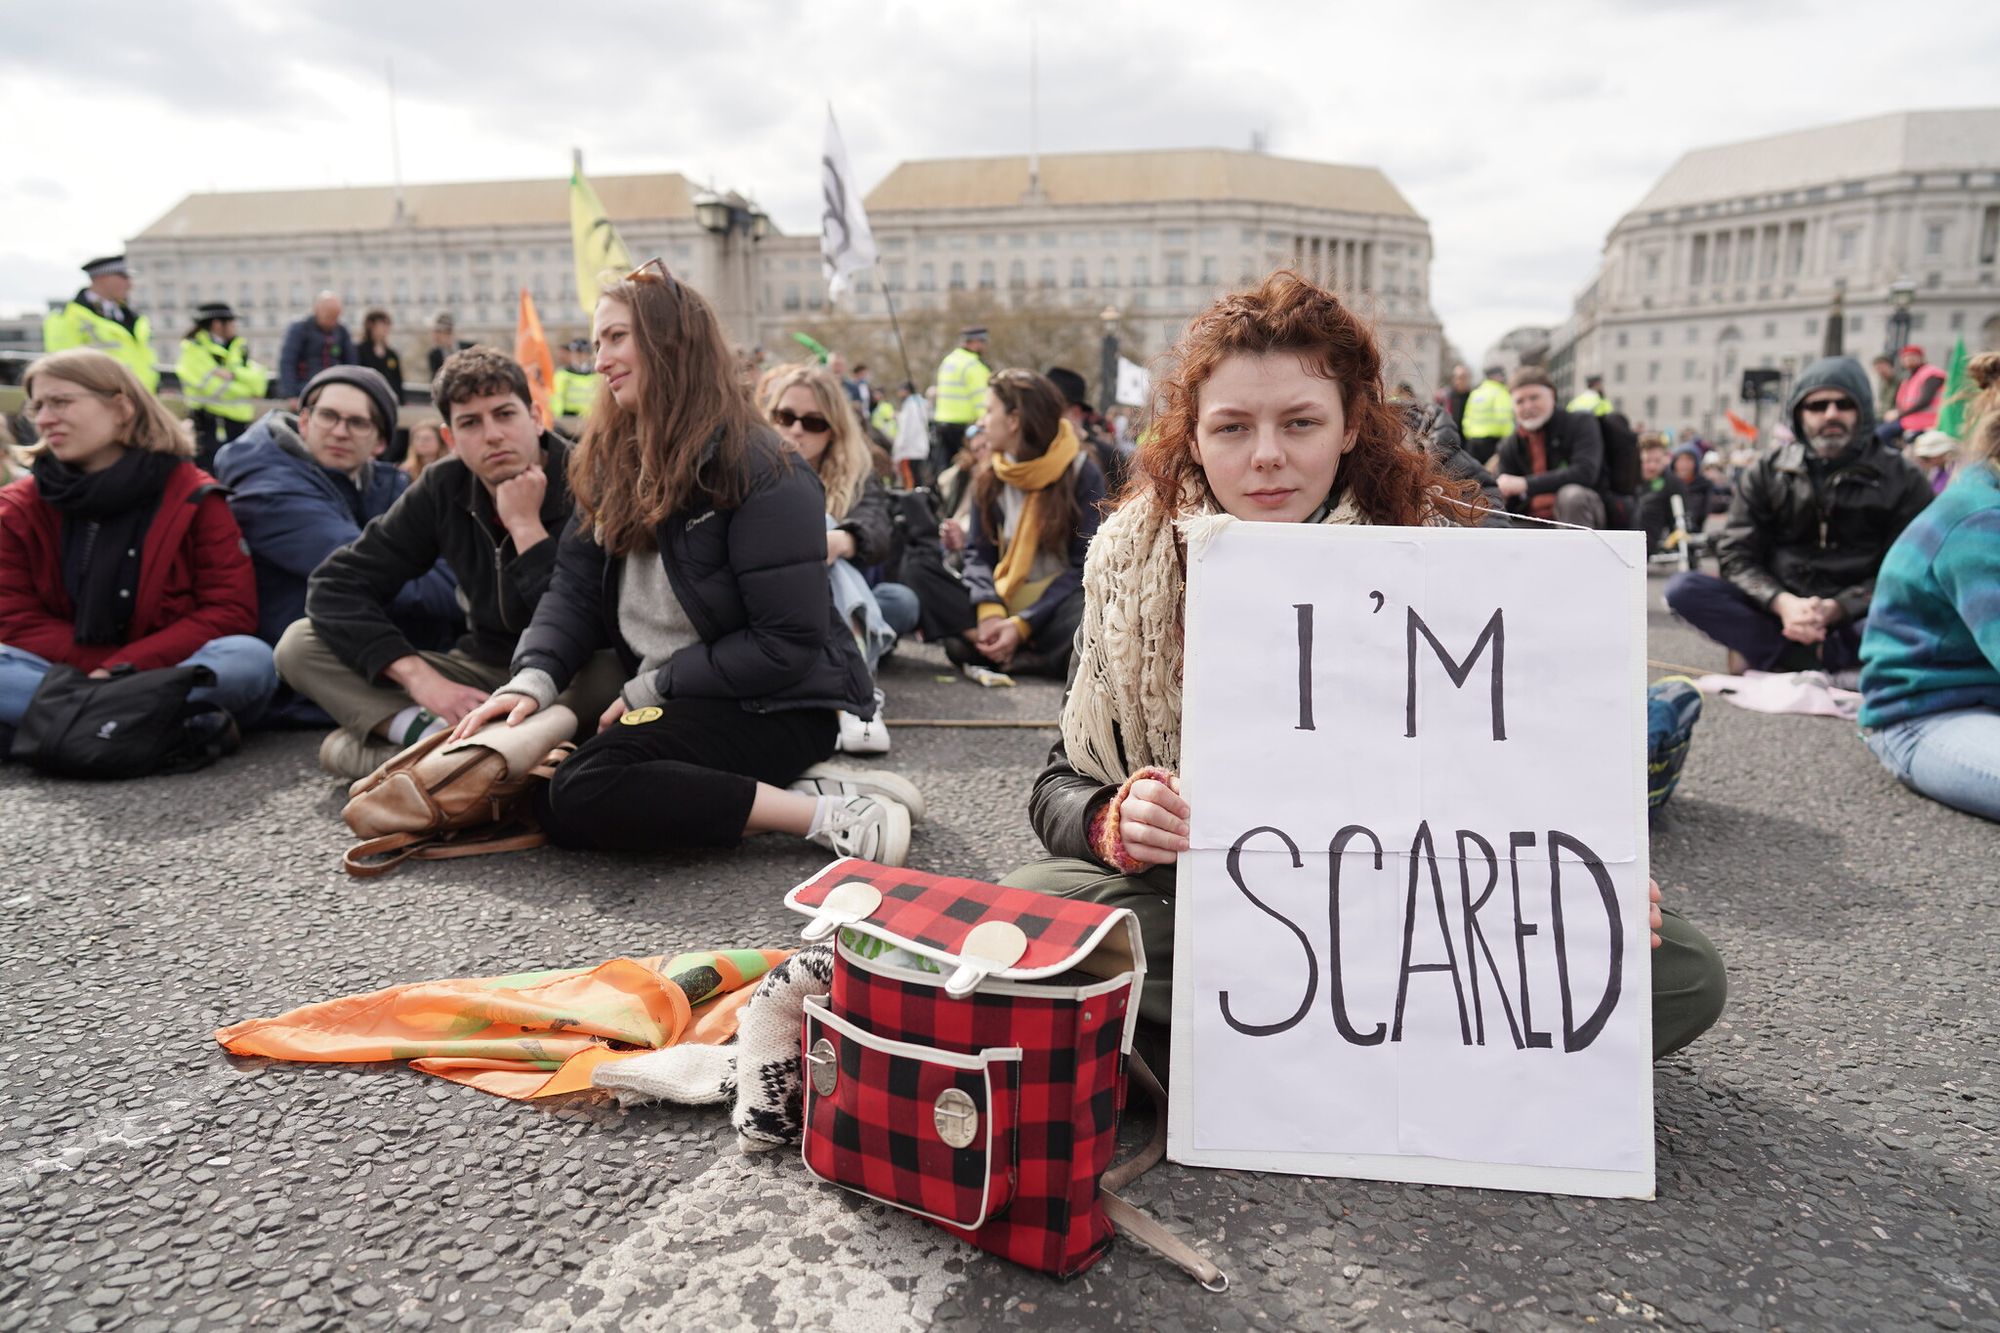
<point x="595" y="240"/>
<point x="1951" y="412"/>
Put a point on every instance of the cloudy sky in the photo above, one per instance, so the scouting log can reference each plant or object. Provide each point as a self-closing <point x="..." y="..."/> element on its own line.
<point x="1521" y="132"/>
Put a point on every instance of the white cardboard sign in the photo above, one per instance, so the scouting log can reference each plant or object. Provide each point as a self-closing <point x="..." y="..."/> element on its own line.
<point x="1411" y="938"/>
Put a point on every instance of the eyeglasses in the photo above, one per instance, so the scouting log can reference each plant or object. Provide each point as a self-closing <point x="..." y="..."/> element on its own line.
<point x="1828" y="405"/>
<point x="361" y="428"/>
<point x="59" y="403"/>
<point x="811" y="422"/>
<point x="653" y="270"/>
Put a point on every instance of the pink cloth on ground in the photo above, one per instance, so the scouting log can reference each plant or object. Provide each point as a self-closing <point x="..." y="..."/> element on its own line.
<point x="1809" y="692"/>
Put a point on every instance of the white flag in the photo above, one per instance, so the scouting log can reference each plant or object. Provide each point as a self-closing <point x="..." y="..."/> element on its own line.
<point x="846" y="246"/>
<point x="1135" y="386"/>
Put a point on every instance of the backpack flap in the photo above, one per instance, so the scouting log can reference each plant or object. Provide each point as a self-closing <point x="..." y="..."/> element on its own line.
<point x="524" y="746"/>
<point x="973" y="930"/>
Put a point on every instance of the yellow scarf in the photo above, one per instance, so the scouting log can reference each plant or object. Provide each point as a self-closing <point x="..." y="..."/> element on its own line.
<point x="1035" y="476"/>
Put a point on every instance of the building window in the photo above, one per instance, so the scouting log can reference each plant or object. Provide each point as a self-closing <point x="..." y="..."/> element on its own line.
<point x="1175" y="236"/>
<point x="1017" y="275"/>
<point x="1698" y="260"/>
<point x="1079" y="273"/>
<point x="1687" y="406"/>
<point x="1142" y="236"/>
<point x="1142" y="272"/>
<point x="1176" y="270"/>
<point x="1844" y="243"/>
<point x="1652" y="409"/>
<point x="791" y="296"/>
<point x="1048" y="239"/>
<point x="1046" y="275"/>
<point x="1017" y="239"/>
<point x="1854" y="323"/>
<point x="1812" y="326"/>
<point x="1653" y="267"/>
<point x="1746" y="240"/>
<point x="1618" y="372"/>
<point x="1248" y="236"/>
<point x="1652" y="372"/>
<point x="1108" y="273"/>
<point x="1656" y="336"/>
<point x="1767" y="257"/>
<point x="1623" y="337"/>
<point x="1211" y="270"/>
<point x="986" y="280"/>
<point x="1770" y="328"/>
<point x="926" y="277"/>
<point x="988" y="241"/>
<point x="1721" y="256"/>
<point x="1989" y="234"/>
<point x="1107" y="238"/>
<point x="1795" y="249"/>
<point x="1934" y="239"/>
<point x="1694" y="333"/>
<point x="896" y="276"/>
<point x="926" y="242"/>
<point x="957" y="275"/>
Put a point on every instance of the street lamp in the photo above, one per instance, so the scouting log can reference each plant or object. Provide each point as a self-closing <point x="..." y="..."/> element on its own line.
<point x="727" y="216"/>
<point x="1107" y="369"/>
<point x="1902" y="295"/>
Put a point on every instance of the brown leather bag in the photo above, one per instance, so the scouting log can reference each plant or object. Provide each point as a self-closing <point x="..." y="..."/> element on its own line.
<point x="441" y="799"/>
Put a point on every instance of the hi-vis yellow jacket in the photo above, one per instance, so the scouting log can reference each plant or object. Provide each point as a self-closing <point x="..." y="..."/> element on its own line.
<point x="1489" y="412"/>
<point x="79" y="325"/>
<point x="961" y="387"/>
<point x="221" y="380"/>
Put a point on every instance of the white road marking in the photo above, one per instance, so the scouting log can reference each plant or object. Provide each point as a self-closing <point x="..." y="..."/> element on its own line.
<point x="831" y="1259"/>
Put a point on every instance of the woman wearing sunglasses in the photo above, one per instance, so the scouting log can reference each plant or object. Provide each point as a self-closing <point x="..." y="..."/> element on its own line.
<point x="698" y="553"/>
<point x="1035" y="506"/>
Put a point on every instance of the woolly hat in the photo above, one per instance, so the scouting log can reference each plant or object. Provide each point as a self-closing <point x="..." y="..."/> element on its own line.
<point x="381" y="398"/>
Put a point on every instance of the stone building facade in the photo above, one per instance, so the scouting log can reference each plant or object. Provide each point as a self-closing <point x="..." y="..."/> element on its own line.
<point x="1737" y="256"/>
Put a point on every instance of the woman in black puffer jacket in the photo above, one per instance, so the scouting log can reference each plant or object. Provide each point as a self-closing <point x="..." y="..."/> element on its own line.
<point x="698" y="554"/>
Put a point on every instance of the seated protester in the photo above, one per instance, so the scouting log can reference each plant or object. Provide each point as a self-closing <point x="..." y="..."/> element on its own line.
<point x="1233" y="439"/>
<point x="818" y="422"/>
<point x="219" y="381"/>
<point x="1551" y="465"/>
<point x="1806" y="534"/>
<point x="303" y="487"/>
<point x="1658" y="485"/>
<point x="490" y="510"/>
<point x="1694" y="486"/>
<point x="954" y="491"/>
<point x="1034" y="509"/>
<point x="1930" y="658"/>
<point x="118" y="551"/>
<point x="1429" y="428"/>
<point x="1089" y="428"/>
<point x="1715" y="468"/>
<point x="697" y="553"/>
<point x="427" y="446"/>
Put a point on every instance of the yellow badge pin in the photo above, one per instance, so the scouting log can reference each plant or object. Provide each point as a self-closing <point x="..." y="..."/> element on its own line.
<point x="638" y="717"/>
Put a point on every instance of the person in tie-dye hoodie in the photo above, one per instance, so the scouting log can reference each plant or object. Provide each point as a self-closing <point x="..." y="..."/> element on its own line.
<point x="1930" y="659"/>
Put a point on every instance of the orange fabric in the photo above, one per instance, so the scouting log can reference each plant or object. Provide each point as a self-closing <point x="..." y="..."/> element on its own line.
<point x="530" y="1034"/>
<point x="531" y="349"/>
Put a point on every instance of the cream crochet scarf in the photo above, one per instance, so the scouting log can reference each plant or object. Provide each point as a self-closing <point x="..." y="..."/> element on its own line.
<point x="1123" y="712"/>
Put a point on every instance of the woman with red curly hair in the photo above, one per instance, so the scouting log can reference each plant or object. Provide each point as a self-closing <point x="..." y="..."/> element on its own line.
<point x="1273" y="412"/>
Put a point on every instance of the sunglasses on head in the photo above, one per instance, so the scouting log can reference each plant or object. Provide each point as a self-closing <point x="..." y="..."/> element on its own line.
<point x="653" y="270"/>
<point x="1830" y="405"/>
<point x="811" y="422"/>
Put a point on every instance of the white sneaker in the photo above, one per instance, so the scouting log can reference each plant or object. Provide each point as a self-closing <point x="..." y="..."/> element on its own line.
<point x="873" y="828"/>
<point x="346" y="755"/>
<point x="833" y="780"/>
<point x="858" y="737"/>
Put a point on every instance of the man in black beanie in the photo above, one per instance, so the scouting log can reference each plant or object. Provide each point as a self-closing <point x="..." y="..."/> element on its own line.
<point x="304" y="486"/>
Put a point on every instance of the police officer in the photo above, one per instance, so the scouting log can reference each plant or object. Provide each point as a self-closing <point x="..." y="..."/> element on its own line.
<point x="1592" y="399"/>
<point x="98" y="317"/>
<point x="219" y="381"/>
<point x="1489" y="415"/>
<point x="961" y="395"/>
<point x="576" y="382"/>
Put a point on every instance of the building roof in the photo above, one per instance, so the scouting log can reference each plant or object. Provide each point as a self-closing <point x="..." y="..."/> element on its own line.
<point x="1904" y="141"/>
<point x="1162" y="176"/>
<point x="425" y="207"/>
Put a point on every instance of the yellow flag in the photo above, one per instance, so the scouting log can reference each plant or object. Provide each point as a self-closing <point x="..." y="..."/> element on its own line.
<point x="595" y="240"/>
<point x="531" y="349"/>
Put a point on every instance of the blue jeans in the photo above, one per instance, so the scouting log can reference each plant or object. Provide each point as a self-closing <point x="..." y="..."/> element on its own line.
<point x="1953" y="758"/>
<point x="899" y="607"/>
<point x="1730" y="616"/>
<point x="245" y="677"/>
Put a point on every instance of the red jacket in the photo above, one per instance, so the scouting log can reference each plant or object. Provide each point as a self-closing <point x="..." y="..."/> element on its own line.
<point x="195" y="579"/>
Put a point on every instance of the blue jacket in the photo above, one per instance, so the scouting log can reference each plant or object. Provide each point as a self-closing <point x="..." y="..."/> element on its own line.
<point x="309" y="349"/>
<point x="295" y="513"/>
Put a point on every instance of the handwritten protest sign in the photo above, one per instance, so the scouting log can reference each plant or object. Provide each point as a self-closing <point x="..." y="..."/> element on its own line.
<point x="1411" y="938"/>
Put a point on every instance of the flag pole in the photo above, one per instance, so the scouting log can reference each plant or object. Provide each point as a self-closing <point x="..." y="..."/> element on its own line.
<point x="909" y="377"/>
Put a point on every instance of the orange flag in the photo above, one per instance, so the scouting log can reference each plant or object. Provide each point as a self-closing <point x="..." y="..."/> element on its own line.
<point x="1740" y="426"/>
<point x="531" y="349"/>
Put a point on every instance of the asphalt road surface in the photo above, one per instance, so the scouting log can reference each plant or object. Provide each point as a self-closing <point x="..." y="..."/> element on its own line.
<point x="1826" y="1154"/>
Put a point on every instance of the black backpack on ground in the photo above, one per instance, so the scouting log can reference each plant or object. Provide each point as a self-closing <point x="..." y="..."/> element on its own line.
<point x="1621" y="454"/>
<point x="127" y="725"/>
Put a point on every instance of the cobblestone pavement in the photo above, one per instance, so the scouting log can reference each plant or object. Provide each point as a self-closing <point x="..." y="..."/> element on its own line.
<point x="1826" y="1154"/>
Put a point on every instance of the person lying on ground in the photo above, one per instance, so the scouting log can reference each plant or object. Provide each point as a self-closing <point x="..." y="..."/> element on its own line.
<point x="117" y="551"/>
<point x="490" y="510"/>
<point x="697" y="554"/>
<point x="304" y="486"/>
<point x="1806" y="534"/>
<point x="1930" y="658"/>
<point x="1034" y="510"/>
<point x="1274" y="412"/>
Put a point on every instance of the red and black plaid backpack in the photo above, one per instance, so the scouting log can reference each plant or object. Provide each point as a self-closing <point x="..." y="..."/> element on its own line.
<point x="969" y="1064"/>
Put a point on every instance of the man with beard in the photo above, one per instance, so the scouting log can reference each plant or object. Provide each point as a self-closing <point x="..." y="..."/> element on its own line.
<point x="1552" y="466"/>
<point x="1806" y="533"/>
